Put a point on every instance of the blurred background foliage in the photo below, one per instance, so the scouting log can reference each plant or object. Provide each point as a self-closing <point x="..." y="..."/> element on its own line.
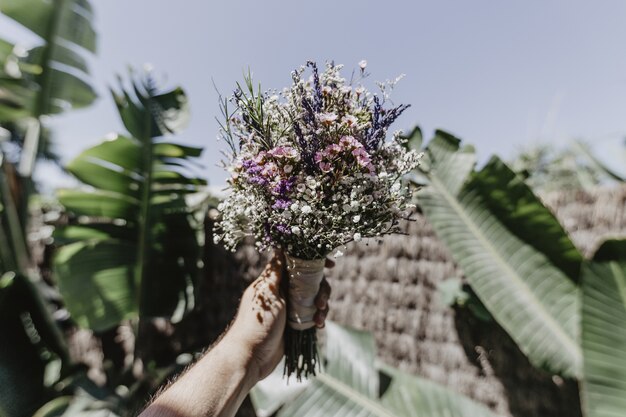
<point x="122" y="254"/>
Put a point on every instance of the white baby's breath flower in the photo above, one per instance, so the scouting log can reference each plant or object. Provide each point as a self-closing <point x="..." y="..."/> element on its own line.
<point x="349" y="120"/>
<point x="295" y="230"/>
<point x="356" y="218"/>
<point x="357" y="237"/>
<point x="362" y="64"/>
<point x="327" y="118"/>
<point x="306" y="209"/>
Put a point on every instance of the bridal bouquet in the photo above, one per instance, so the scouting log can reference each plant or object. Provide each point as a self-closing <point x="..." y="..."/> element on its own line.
<point x="311" y="170"/>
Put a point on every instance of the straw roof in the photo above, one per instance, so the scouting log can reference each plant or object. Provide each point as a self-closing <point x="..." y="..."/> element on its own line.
<point x="389" y="288"/>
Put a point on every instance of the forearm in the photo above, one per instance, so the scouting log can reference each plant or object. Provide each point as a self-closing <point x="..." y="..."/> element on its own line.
<point x="215" y="386"/>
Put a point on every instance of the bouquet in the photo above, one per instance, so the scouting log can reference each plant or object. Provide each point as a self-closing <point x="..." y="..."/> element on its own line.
<point x="311" y="170"/>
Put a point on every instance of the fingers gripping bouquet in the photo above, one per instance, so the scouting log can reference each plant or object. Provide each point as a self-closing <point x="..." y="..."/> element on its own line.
<point x="311" y="170"/>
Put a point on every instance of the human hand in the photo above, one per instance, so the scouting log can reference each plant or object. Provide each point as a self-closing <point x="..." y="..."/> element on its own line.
<point x="218" y="383"/>
<point x="260" y="323"/>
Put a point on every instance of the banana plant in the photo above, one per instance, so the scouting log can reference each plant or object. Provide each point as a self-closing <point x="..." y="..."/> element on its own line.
<point x="604" y="331"/>
<point x="50" y="77"/>
<point x="33" y="341"/>
<point x="133" y="246"/>
<point x="575" y="167"/>
<point x="353" y="383"/>
<point x="515" y="255"/>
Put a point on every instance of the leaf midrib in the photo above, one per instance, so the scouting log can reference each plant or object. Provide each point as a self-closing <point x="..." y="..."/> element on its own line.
<point x="567" y="341"/>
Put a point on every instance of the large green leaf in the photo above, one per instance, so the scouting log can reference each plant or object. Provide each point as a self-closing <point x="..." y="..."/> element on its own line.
<point x="97" y="281"/>
<point x="52" y="76"/>
<point x="534" y="301"/>
<point x="98" y="231"/>
<point x="407" y="394"/>
<point x="519" y="209"/>
<point x="350" y="386"/>
<point x="149" y="114"/>
<point x="96" y="203"/>
<point x="74" y="20"/>
<point x="414" y="139"/>
<point x="444" y="155"/>
<point x="117" y="150"/>
<point x="172" y="150"/>
<point x="604" y="331"/>
<point x="141" y="182"/>
<point x="66" y="30"/>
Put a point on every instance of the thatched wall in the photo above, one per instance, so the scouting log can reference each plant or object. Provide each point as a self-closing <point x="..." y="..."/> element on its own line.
<point x="390" y="290"/>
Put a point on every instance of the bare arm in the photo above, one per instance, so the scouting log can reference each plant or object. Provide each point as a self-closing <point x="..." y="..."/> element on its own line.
<point x="218" y="383"/>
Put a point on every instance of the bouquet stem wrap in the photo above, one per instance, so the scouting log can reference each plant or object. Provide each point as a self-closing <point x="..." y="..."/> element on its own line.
<point x="305" y="277"/>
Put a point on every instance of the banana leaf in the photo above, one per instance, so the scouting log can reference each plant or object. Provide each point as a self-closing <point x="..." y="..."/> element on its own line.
<point x="67" y="39"/>
<point x="604" y="331"/>
<point x="483" y="223"/>
<point x="134" y="246"/>
<point x="352" y="385"/>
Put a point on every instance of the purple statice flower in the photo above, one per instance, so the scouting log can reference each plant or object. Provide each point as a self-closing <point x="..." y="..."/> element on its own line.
<point x="254" y="172"/>
<point x="281" y="203"/>
<point x="282" y="228"/>
<point x="251" y="167"/>
<point x="258" y="180"/>
<point x="381" y="119"/>
<point x="284" y="186"/>
<point x="317" y="96"/>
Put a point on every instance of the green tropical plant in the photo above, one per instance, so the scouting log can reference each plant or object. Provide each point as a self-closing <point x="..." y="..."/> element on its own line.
<point x="546" y="168"/>
<point x="353" y="383"/>
<point x="46" y="79"/>
<point x="34" y="343"/>
<point x="604" y="331"/>
<point x="565" y="313"/>
<point x="52" y="76"/>
<point x="133" y="246"/>
<point x="49" y="78"/>
<point x="490" y="221"/>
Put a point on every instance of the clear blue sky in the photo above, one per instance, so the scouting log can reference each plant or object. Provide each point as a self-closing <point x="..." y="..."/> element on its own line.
<point x="498" y="74"/>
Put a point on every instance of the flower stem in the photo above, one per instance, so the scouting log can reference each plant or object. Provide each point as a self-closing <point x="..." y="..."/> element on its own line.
<point x="301" y="355"/>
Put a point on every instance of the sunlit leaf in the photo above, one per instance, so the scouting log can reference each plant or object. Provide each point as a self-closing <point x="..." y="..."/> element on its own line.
<point x="98" y="282"/>
<point x="519" y="285"/>
<point x="138" y="185"/>
<point x="604" y="331"/>
<point x="350" y="386"/>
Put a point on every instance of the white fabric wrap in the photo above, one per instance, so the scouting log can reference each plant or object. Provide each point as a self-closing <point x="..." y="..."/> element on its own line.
<point x="304" y="282"/>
